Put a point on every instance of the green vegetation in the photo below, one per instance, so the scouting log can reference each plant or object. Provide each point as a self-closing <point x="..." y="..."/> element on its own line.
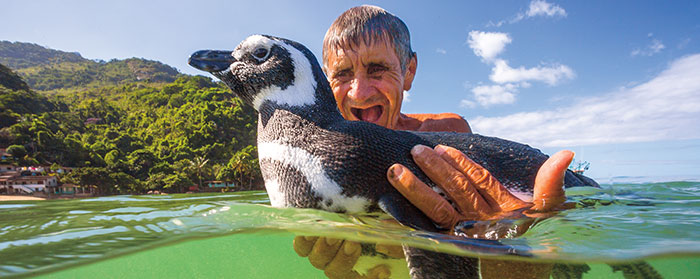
<point x="46" y="69"/>
<point x="128" y="126"/>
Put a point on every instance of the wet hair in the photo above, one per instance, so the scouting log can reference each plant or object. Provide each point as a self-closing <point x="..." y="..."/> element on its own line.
<point x="368" y="25"/>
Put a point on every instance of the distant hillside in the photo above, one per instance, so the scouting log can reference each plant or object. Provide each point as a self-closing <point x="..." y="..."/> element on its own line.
<point x="47" y="69"/>
<point x="125" y="126"/>
<point x="10" y="80"/>
<point x="16" y="99"/>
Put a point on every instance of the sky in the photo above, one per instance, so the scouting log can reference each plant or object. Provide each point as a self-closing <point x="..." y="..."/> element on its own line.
<point x="617" y="82"/>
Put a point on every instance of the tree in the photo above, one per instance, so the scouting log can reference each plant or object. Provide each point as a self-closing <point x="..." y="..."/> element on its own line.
<point x="177" y="181"/>
<point x="90" y="176"/>
<point x="17" y="151"/>
<point x="244" y="164"/>
<point x="125" y="183"/>
<point x="198" y="163"/>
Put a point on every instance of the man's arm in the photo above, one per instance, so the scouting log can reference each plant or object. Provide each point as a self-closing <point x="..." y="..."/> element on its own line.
<point x="433" y="122"/>
<point x="337" y="261"/>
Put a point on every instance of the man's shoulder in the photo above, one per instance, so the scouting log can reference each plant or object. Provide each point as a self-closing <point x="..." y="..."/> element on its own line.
<point x="438" y="122"/>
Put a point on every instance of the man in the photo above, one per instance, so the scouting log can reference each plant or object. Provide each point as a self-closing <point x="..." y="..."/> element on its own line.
<point x="369" y="63"/>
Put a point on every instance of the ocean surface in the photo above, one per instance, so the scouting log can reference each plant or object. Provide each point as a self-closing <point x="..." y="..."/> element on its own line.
<point x="238" y="235"/>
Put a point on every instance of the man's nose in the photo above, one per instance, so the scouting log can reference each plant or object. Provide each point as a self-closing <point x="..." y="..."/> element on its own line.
<point x="360" y="90"/>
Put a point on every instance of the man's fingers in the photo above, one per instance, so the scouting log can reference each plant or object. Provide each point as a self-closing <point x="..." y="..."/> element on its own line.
<point x="549" y="182"/>
<point x="428" y="201"/>
<point x="378" y="272"/>
<point x="455" y="184"/>
<point x="341" y="266"/>
<point x="304" y="244"/>
<point x="324" y="251"/>
<point x="394" y="251"/>
<point x="498" y="197"/>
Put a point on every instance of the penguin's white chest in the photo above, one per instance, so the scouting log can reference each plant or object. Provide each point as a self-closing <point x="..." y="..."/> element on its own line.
<point x="311" y="168"/>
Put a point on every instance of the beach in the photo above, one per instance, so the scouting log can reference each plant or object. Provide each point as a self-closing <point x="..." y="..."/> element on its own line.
<point x="19" y="198"/>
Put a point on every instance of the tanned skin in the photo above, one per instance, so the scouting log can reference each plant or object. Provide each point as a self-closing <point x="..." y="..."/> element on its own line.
<point x="433" y="122"/>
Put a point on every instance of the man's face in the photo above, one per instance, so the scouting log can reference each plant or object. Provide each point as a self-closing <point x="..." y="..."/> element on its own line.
<point x="368" y="83"/>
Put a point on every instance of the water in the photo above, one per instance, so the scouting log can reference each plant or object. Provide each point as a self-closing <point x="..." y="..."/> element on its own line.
<point x="236" y="235"/>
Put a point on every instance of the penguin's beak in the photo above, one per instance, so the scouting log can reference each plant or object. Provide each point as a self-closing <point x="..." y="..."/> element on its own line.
<point x="211" y="60"/>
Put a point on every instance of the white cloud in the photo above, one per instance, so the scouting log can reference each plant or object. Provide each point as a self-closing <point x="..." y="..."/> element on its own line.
<point x="488" y="45"/>
<point x="406" y="97"/>
<point x="467" y="104"/>
<point x="542" y="8"/>
<point x="536" y="8"/>
<point x="653" y="48"/>
<point x="502" y="73"/>
<point x="441" y="51"/>
<point x="666" y="107"/>
<point x="487" y="95"/>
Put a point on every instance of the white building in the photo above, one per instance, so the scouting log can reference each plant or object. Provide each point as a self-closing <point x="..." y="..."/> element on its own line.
<point x="7" y="168"/>
<point x="14" y="184"/>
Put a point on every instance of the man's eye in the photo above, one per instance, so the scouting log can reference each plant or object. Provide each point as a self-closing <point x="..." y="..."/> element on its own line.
<point x="375" y="70"/>
<point x="343" y="74"/>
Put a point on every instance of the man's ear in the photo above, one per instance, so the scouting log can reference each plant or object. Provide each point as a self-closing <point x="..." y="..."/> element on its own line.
<point x="410" y="72"/>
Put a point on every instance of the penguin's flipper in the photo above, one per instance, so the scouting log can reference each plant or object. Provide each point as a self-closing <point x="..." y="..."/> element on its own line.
<point x="403" y="211"/>
<point x="430" y="264"/>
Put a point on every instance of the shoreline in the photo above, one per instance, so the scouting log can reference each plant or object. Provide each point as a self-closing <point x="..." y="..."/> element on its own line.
<point x="19" y="198"/>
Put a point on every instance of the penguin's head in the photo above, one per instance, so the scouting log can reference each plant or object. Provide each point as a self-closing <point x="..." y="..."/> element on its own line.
<point x="266" y="69"/>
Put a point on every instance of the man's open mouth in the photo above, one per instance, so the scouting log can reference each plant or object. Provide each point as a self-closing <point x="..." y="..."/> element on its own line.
<point x="370" y="114"/>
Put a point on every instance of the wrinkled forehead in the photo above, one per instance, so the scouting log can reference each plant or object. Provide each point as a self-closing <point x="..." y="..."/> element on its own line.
<point x="380" y="49"/>
<point x="252" y="43"/>
<point x="347" y="46"/>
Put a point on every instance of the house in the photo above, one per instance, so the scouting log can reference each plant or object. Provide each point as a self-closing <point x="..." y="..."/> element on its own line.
<point x="7" y="168"/>
<point x="30" y="180"/>
<point x="93" y="121"/>
<point x="17" y="184"/>
<point x="62" y="170"/>
<point x="32" y="170"/>
<point x="4" y="155"/>
<point x="5" y="183"/>
<point x="217" y="186"/>
<point x="72" y="189"/>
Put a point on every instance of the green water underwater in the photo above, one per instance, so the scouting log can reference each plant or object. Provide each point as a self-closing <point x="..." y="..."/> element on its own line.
<point x="238" y="235"/>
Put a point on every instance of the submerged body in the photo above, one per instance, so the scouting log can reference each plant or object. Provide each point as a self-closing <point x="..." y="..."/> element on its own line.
<point x="311" y="157"/>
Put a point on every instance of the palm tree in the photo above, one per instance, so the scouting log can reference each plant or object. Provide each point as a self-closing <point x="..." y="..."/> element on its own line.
<point x="239" y="164"/>
<point x="198" y="163"/>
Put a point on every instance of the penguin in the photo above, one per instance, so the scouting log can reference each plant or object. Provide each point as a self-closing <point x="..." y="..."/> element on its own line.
<point x="311" y="157"/>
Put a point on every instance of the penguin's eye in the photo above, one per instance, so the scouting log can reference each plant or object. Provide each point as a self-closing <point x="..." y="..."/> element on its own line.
<point x="260" y="54"/>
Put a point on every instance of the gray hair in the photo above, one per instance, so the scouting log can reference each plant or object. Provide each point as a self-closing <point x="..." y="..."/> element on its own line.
<point x="368" y="24"/>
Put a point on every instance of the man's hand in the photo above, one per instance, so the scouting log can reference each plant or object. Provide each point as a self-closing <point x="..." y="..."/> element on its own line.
<point x="477" y="195"/>
<point x="337" y="257"/>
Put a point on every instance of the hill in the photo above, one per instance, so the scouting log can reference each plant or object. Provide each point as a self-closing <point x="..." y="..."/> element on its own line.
<point x="46" y="69"/>
<point x="10" y="80"/>
<point x="17" y="99"/>
<point x="126" y="126"/>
